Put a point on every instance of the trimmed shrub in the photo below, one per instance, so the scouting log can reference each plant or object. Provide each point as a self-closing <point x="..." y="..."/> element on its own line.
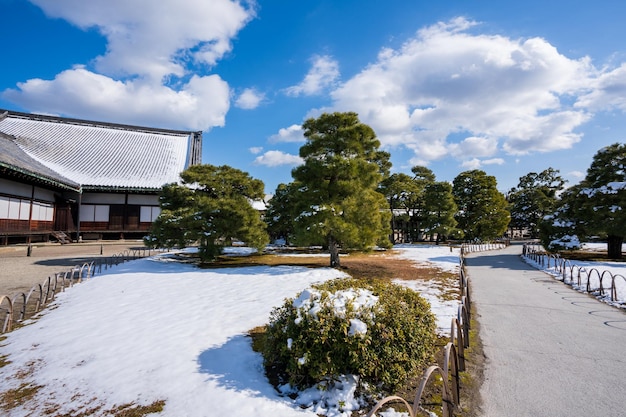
<point x="382" y="332"/>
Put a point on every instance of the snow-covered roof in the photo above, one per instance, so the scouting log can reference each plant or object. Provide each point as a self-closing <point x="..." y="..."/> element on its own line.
<point x="102" y="155"/>
<point x="15" y="162"/>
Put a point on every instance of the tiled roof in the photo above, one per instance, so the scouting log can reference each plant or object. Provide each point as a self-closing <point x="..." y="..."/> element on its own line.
<point x="19" y="162"/>
<point x="99" y="155"/>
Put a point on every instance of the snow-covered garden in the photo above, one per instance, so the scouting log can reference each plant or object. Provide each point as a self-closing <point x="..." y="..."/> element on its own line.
<point x="157" y="330"/>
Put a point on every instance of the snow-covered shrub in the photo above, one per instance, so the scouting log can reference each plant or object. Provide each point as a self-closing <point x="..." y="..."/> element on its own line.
<point x="566" y="242"/>
<point x="381" y="332"/>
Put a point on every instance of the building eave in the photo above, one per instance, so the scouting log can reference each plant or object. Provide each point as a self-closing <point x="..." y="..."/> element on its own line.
<point x="35" y="177"/>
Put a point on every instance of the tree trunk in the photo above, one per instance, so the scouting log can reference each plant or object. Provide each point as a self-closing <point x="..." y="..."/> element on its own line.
<point x="614" y="247"/>
<point x="333" y="249"/>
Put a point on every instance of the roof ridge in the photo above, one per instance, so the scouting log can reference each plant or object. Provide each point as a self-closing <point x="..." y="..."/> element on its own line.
<point x="83" y="122"/>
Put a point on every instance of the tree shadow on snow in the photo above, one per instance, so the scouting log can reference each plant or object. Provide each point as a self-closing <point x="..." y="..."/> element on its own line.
<point x="452" y="259"/>
<point x="235" y="366"/>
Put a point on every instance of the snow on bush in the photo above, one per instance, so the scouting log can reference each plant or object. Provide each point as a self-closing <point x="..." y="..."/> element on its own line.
<point x="567" y="242"/>
<point x="376" y="334"/>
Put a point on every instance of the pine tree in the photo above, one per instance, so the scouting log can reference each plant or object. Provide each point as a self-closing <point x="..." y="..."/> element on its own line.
<point x="440" y="211"/>
<point x="212" y="206"/>
<point x="604" y="191"/>
<point x="595" y="207"/>
<point x="407" y="199"/>
<point x="535" y="196"/>
<point x="280" y="212"/>
<point x="402" y="194"/>
<point x="338" y="203"/>
<point x="483" y="213"/>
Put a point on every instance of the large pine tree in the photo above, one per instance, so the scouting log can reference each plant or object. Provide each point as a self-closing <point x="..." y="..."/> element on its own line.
<point x="211" y="206"/>
<point x="338" y="204"/>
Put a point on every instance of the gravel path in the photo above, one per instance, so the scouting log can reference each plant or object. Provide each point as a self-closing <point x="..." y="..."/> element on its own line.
<point x="19" y="272"/>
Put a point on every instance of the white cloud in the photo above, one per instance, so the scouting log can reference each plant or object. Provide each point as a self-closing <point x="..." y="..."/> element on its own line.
<point x="155" y="39"/>
<point x="473" y="163"/>
<point x="608" y="91"/>
<point x="494" y="89"/>
<point x="200" y="104"/>
<point x="474" y="146"/>
<point x="249" y="99"/>
<point x="148" y="74"/>
<point x="277" y="158"/>
<point x="476" y="163"/>
<point x="493" y="161"/>
<point x="292" y="134"/>
<point x="577" y="174"/>
<point x="324" y="73"/>
<point x="255" y="150"/>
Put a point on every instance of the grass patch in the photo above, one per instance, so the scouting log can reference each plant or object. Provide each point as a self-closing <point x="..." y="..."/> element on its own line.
<point x="130" y="410"/>
<point x="18" y="396"/>
<point x="125" y="410"/>
<point x="472" y="378"/>
<point x="3" y="361"/>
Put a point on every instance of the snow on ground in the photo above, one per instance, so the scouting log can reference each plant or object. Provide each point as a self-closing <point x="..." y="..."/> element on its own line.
<point x="592" y="271"/>
<point x="154" y="330"/>
<point x="445" y="258"/>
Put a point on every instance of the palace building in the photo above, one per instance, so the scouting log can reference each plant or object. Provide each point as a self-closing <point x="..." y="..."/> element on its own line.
<point x="71" y="179"/>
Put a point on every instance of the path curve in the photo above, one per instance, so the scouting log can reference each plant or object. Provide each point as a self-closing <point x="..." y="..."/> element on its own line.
<point x="550" y="350"/>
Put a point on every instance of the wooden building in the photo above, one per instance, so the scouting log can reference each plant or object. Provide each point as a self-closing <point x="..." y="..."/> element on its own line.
<point x="84" y="179"/>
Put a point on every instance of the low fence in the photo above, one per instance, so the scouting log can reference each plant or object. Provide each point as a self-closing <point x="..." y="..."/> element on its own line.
<point x="22" y="306"/>
<point x="603" y="284"/>
<point x="453" y="352"/>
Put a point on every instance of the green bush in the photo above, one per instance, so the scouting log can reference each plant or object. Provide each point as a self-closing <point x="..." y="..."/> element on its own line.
<point x="382" y="332"/>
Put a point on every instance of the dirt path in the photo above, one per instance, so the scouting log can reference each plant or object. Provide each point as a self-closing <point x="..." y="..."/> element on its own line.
<point x="19" y="272"/>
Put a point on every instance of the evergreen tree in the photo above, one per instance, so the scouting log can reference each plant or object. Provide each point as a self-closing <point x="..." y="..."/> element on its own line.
<point x="595" y="207"/>
<point x="603" y="196"/>
<point x="561" y="229"/>
<point x="338" y="203"/>
<point x="407" y="194"/>
<point x="535" y="196"/>
<point x="280" y="212"/>
<point x="422" y="178"/>
<point x="483" y="213"/>
<point x="402" y="194"/>
<point x="440" y="211"/>
<point x="212" y="206"/>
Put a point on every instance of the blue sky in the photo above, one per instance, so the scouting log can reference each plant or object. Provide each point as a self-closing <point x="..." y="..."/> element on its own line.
<point x="507" y="87"/>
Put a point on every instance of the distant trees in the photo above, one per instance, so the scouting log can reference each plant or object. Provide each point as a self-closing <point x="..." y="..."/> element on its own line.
<point x="211" y="206"/>
<point x="595" y="207"/>
<point x="535" y="196"/>
<point x="401" y="193"/>
<point x="440" y="210"/>
<point x="482" y="208"/>
<point x="281" y="213"/>
<point x="335" y="197"/>
<point x="406" y="197"/>
<point x="420" y="205"/>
